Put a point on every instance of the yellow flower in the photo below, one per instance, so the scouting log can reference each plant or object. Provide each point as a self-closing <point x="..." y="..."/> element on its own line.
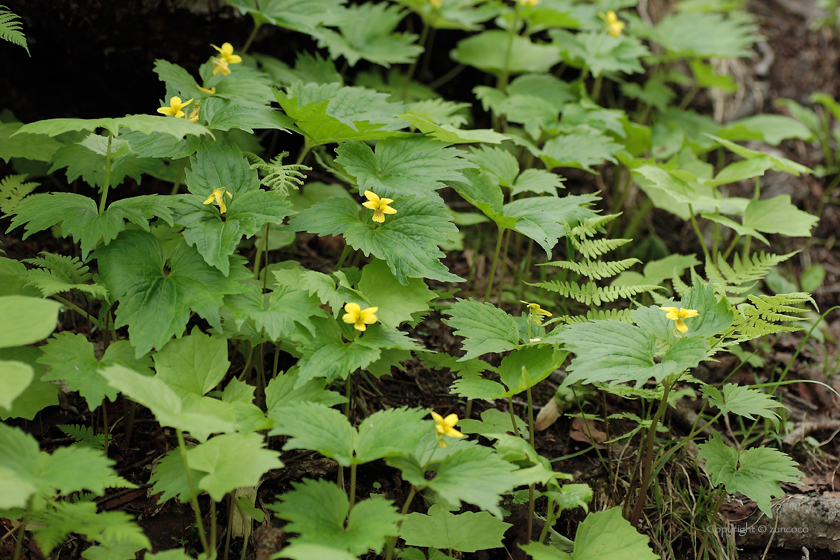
<point x="536" y="311"/>
<point x="436" y="3"/>
<point x="174" y="109"/>
<point x="358" y="317"/>
<point x="445" y="427"/>
<point x="218" y="197"/>
<point x="529" y="2"/>
<point x="612" y="23"/>
<point x="227" y="53"/>
<point x="379" y="206"/>
<point x="220" y="65"/>
<point x="210" y="91"/>
<point x="678" y="314"/>
<point x="193" y="116"/>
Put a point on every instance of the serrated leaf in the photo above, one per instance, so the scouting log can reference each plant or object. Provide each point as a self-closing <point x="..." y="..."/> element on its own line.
<point x="158" y="286"/>
<point x="30" y="146"/>
<point x="397" y="303"/>
<point x="318" y="511"/>
<point x="317" y="427"/>
<point x="610" y="352"/>
<point x="606" y="535"/>
<point x="600" y="52"/>
<point x="193" y="364"/>
<point x="743" y="401"/>
<point x="223" y="114"/>
<point x="70" y="357"/>
<point x="275" y="313"/>
<point x="28" y="320"/>
<point x="465" y="532"/>
<point x="704" y="35"/>
<point x="440" y="111"/>
<point x="389" y="433"/>
<point x="38" y="394"/>
<point x="299" y="15"/>
<point x="483" y="51"/>
<point x="497" y="162"/>
<point x="538" y="181"/>
<point x="283" y="390"/>
<point x="771" y="129"/>
<point x="485" y="327"/>
<point x="146" y="124"/>
<point x="778" y="215"/>
<point x="170" y="478"/>
<point x="414" y="165"/>
<point x="62" y="274"/>
<point x="581" y="148"/>
<point x="480" y="191"/>
<point x="451" y="135"/>
<point x="544" y="219"/>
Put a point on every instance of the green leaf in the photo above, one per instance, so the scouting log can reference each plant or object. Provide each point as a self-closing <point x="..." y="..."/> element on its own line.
<point x="465" y="532"/>
<point x="778" y="215"/>
<point x="414" y="165"/>
<point x="70" y="357"/>
<point x="146" y="124"/>
<point x="539" y="551"/>
<point x="537" y="181"/>
<point x="778" y="163"/>
<point x="368" y="33"/>
<point x="316" y="427"/>
<point x="333" y="113"/>
<point x="440" y="111"/>
<point x="15" y="377"/>
<point x="297" y="15"/>
<point x="582" y="148"/>
<point x="276" y="313"/>
<point x="743" y="401"/>
<point x="30" y="146"/>
<point x="80" y="218"/>
<point x="319" y="512"/>
<point x="164" y="403"/>
<point x="306" y="551"/>
<point x="483" y="51"/>
<point x="193" y="364"/>
<point x="771" y="129"/>
<point x="499" y="163"/>
<point x="599" y="52"/>
<point x="62" y="274"/>
<point x="753" y="473"/>
<point x="282" y="390"/>
<point x="524" y="368"/>
<point x="611" y="352"/>
<point x="26" y="320"/>
<point x="480" y="191"/>
<point x="158" y="286"/>
<point x="715" y="316"/>
<point x="408" y="241"/>
<point x="544" y="218"/>
<point x="232" y="461"/>
<point x="451" y="135"/>
<point x="224" y="114"/>
<point x="170" y="478"/>
<point x="389" y="433"/>
<point x="39" y="394"/>
<point x="606" y="535"/>
<point x="397" y="303"/>
<point x="704" y="35"/>
<point x="485" y="327"/>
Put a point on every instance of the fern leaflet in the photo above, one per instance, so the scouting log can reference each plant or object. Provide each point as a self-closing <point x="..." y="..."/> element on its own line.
<point x="13" y="190"/>
<point x="278" y="177"/>
<point x="591" y="294"/>
<point x="10" y="29"/>
<point x="591" y="248"/>
<point x="83" y="435"/>
<point x="58" y="273"/>
<point x="595" y="269"/>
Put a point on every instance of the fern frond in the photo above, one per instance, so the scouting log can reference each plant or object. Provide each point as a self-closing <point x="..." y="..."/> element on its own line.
<point x="601" y="315"/>
<point x="10" y="29"/>
<point x="592" y="294"/>
<point x="593" y="226"/>
<point x="83" y="435"/>
<point x="278" y="177"/>
<point x="13" y="190"/>
<point x="59" y="273"/>
<point x="591" y="248"/>
<point x="680" y="287"/>
<point x="595" y="269"/>
<point x="750" y="270"/>
<point x="762" y="315"/>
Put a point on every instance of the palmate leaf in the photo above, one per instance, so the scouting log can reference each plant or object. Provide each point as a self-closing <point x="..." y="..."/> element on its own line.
<point x="778" y="215"/>
<point x="80" y="161"/>
<point x="606" y="535"/>
<point x="482" y="51"/>
<point x="223" y="114"/>
<point x="450" y="134"/>
<point x="399" y="166"/>
<point x="320" y="513"/>
<point x="147" y="124"/>
<point x="79" y="217"/>
<point x="397" y="303"/>
<point x="158" y="285"/>
<point x="754" y="472"/>
<point x="703" y="35"/>
<point x="582" y="148"/>
<point x="600" y="52"/>
<point x="71" y="358"/>
<point x="440" y="111"/>
<point x="194" y="364"/>
<point x="465" y="532"/>
<point x="408" y="240"/>
<point x="485" y="327"/>
<point x="59" y="273"/>
<point x="276" y="313"/>
<point x="545" y="218"/>
<point x="30" y="146"/>
<point x="743" y="401"/>
<point x="331" y="113"/>
<point x="455" y="14"/>
<point x="368" y="32"/>
<point x="298" y="15"/>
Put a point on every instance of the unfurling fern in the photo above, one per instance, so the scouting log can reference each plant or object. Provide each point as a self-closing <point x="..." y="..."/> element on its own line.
<point x="58" y="273"/>
<point x="10" y="29"/>
<point x="279" y="177"/>
<point x="590" y="293"/>
<point x="13" y="189"/>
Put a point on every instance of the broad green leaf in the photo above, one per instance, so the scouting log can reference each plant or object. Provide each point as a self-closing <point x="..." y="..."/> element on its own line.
<point x="538" y="181"/>
<point x="156" y="395"/>
<point x="71" y="358"/>
<point x="305" y="16"/>
<point x="26" y="320"/>
<point x="485" y="327"/>
<point x="172" y="554"/>
<point x="778" y="163"/>
<point x="778" y="215"/>
<point x="600" y="52"/>
<point x="170" y="478"/>
<point x="440" y="111"/>
<point x="715" y="316"/>
<point x="307" y="551"/>
<point x="754" y="472"/>
<point x="29" y="146"/>
<point x="158" y="286"/>
<point x="39" y="394"/>
<point x="610" y="352"/>
<point x="743" y="401"/>
<point x="368" y="32"/>
<point x="15" y="490"/>
<point x="79" y="217"/>
<point x="333" y="113"/>
<point x="408" y="240"/>
<point x="456" y="14"/>
<point x="146" y="124"/>
<point x="283" y="390"/>
<point x="316" y="427"/>
<point x="544" y="218"/>
<point x="276" y="313"/>
<point x="451" y="135"/>
<point x="572" y="496"/>
<point x="397" y="303"/>
<point x="480" y="191"/>
<point x="414" y="165"/>
<point x="193" y="364"/>
<point x="606" y="535"/>
<point x="582" y="148"/>
<point x="537" y="362"/>
<point x="465" y="532"/>
<point x="493" y="422"/>
<point x="487" y="51"/>
<point x="389" y="433"/>
<point x="704" y="35"/>
<point x="232" y="461"/>
<point x="771" y="129"/>
<point x="536" y="115"/>
<point x="319" y="512"/>
<point x="539" y="551"/>
<point x="738" y="228"/>
<point x="224" y="114"/>
<point x="15" y="377"/>
<point x="499" y="163"/>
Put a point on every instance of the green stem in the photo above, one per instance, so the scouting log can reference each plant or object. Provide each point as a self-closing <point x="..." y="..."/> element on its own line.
<point x="303" y="153"/>
<point x="531" y="487"/>
<point x="70" y="305"/>
<point x="105" y="427"/>
<point x="513" y="418"/>
<point x="251" y="37"/>
<point x="352" y="487"/>
<point x="107" y="175"/>
<point x="194" y="496"/>
<point x="179" y="178"/>
<point x="549" y="520"/>
<point x="22" y="530"/>
<point x="699" y="234"/>
<point x="276" y="362"/>
<point x="689" y="97"/>
<point x="230" y="525"/>
<point x="424" y="34"/>
<point x="729" y="249"/>
<point x="713" y="513"/>
<point x="503" y="268"/>
<point x="262" y="248"/>
<point x="390" y="554"/>
<point x="503" y="78"/>
<point x="344" y="254"/>
<point x="212" y="528"/>
<point x="492" y="274"/>
<point x="248" y="361"/>
<point x="596" y="88"/>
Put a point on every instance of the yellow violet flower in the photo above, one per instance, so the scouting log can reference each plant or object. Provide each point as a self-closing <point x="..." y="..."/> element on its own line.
<point x="220" y="65"/>
<point x="445" y="427"/>
<point x="175" y="107"/>
<point x="193" y="116"/>
<point x="227" y="53"/>
<point x="379" y="206"/>
<point x="358" y="317"/>
<point x="536" y="311"/>
<point x="678" y="314"/>
<point x="612" y="23"/>
<point x="218" y="196"/>
<point x="210" y="91"/>
<point x="436" y="3"/>
<point x="529" y="2"/>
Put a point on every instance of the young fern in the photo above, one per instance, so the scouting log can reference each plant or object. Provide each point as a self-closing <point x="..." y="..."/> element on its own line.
<point x="13" y="189"/>
<point x="278" y="177"/>
<point x="59" y="273"/>
<point x="10" y="29"/>
<point x="764" y="315"/>
<point x="83" y="435"/>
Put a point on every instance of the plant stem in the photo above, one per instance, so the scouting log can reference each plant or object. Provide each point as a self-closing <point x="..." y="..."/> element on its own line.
<point x="262" y="248"/>
<point x="179" y="178"/>
<point x="229" y="525"/>
<point x="251" y="37"/>
<point x="596" y="88"/>
<point x="648" y="465"/>
<point x="352" y="486"/>
<point x="70" y="305"/>
<point x="699" y="234"/>
<point x="713" y="513"/>
<point x="502" y="268"/>
<point x="129" y="421"/>
<point x="729" y="249"/>
<point x="492" y="274"/>
<point x="105" y="426"/>
<point x="276" y="361"/>
<point x="549" y="520"/>
<point x="107" y="175"/>
<point x="344" y="254"/>
<point x="22" y="531"/>
<point x="531" y="487"/>
<point x="193" y="495"/>
<point x="503" y="78"/>
<point x="212" y="528"/>
<point x="411" y="69"/>
<point x="303" y="153"/>
<point x="390" y="554"/>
